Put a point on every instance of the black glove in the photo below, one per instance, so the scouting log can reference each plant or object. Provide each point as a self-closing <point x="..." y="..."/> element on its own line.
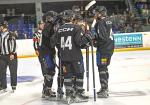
<point x="90" y="36"/>
<point x="95" y="43"/>
<point x="53" y="52"/>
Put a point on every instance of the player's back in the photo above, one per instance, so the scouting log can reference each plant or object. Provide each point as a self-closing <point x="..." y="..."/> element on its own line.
<point x="67" y="37"/>
<point x="105" y="36"/>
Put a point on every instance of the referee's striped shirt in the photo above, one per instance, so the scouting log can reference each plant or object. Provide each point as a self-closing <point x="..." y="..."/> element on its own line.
<point x="37" y="39"/>
<point x="7" y="44"/>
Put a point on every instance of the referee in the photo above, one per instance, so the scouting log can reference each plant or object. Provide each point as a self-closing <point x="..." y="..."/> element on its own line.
<point x="8" y="57"/>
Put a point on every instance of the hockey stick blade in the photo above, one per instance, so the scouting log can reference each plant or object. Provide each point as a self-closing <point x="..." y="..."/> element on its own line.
<point x="90" y="4"/>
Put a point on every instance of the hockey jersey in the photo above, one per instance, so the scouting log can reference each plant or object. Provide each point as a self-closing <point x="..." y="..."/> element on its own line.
<point x="104" y="35"/>
<point x="69" y="39"/>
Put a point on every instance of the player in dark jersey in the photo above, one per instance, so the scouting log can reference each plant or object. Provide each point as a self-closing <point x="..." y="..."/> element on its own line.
<point x="69" y="39"/>
<point x="105" y="47"/>
<point x="77" y="20"/>
<point x="48" y="53"/>
<point x="37" y="43"/>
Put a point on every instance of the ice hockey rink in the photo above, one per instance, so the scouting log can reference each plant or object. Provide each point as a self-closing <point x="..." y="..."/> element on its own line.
<point x="129" y="82"/>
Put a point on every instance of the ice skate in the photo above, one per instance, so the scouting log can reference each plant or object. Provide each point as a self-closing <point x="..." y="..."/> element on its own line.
<point x="49" y="94"/>
<point x="103" y="93"/>
<point x="3" y="90"/>
<point x="68" y="100"/>
<point x="13" y="89"/>
<point x="70" y="97"/>
<point x="60" y="93"/>
<point x="81" y="96"/>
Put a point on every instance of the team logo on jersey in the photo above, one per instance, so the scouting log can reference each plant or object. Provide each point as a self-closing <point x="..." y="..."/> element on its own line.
<point x="103" y="61"/>
<point x="65" y="29"/>
<point x="108" y="22"/>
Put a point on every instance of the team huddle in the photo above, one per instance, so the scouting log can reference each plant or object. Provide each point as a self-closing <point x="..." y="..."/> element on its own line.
<point x="68" y="33"/>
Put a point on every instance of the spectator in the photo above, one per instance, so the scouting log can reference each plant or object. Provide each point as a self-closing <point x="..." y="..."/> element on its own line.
<point x="137" y="27"/>
<point x="146" y="27"/>
<point x="128" y="29"/>
<point x="25" y="36"/>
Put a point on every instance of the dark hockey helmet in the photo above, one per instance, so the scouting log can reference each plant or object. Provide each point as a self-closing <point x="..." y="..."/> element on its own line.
<point x="100" y="10"/>
<point x="77" y="16"/>
<point x="67" y="15"/>
<point x="49" y="16"/>
<point x="76" y="9"/>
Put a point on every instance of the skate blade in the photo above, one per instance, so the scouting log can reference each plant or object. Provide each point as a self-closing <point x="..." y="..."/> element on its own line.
<point x="71" y="101"/>
<point x="49" y="98"/>
<point x="80" y="101"/>
<point x="13" y="91"/>
<point x="100" y="96"/>
<point x="59" y="97"/>
<point x="44" y="97"/>
<point x="66" y="102"/>
<point x="3" y="91"/>
<point x="52" y="99"/>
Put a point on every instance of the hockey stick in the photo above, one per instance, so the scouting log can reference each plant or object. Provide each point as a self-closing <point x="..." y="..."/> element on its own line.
<point x="87" y="49"/>
<point x="59" y="67"/>
<point x="90" y="5"/>
<point x="93" y="69"/>
<point x="60" y="74"/>
<point x="87" y="67"/>
<point x="87" y="55"/>
<point x="56" y="64"/>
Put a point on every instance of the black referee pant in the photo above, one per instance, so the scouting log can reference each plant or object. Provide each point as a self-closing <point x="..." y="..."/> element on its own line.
<point x="12" y="64"/>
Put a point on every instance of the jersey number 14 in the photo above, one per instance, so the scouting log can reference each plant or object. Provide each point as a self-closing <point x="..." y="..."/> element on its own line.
<point x="66" y="43"/>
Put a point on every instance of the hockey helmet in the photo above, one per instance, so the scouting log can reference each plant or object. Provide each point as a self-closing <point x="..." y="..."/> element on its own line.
<point x="49" y="16"/>
<point x="67" y="15"/>
<point x="100" y="10"/>
<point x="77" y="16"/>
<point x="76" y="8"/>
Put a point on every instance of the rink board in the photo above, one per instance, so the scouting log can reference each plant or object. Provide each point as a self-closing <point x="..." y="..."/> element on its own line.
<point x="123" y="42"/>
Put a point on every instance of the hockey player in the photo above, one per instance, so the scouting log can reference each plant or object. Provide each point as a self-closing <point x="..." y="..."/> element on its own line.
<point x="48" y="54"/>
<point x="8" y="57"/>
<point x="78" y="20"/>
<point x="105" y="47"/>
<point x="69" y="39"/>
<point x="37" y="43"/>
<point x="60" y="77"/>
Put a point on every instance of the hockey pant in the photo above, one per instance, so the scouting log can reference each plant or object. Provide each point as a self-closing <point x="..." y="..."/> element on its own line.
<point x="48" y="69"/>
<point x="73" y="69"/>
<point x="12" y="64"/>
<point x="103" y="61"/>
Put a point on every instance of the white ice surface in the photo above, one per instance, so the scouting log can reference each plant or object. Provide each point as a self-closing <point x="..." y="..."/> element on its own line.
<point x="129" y="82"/>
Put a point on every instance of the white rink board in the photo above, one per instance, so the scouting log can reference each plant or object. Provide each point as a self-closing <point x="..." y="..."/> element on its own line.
<point x="25" y="47"/>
